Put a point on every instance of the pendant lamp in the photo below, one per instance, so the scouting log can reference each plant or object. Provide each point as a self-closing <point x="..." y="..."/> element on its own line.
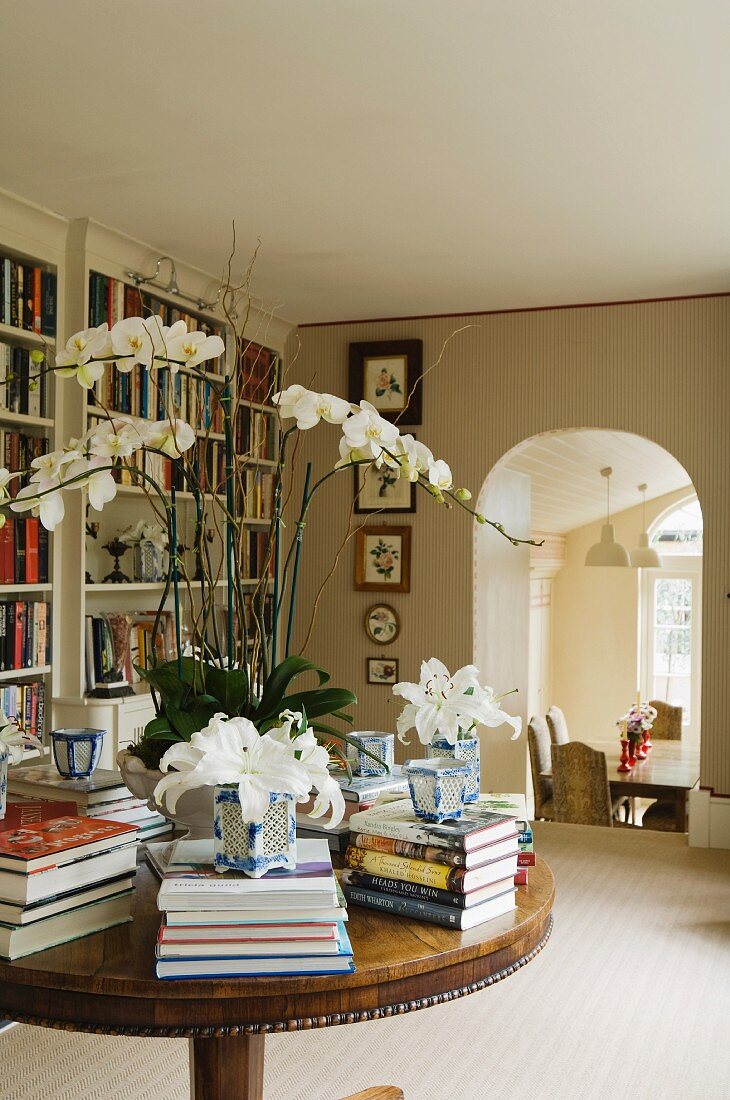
<point x="607" y="551"/>
<point x="645" y="556"/>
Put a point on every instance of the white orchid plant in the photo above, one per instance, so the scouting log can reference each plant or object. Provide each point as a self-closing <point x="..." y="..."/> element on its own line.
<point x="144" y="531"/>
<point x="449" y="706"/>
<point x="286" y="759"/>
<point x="243" y="672"/>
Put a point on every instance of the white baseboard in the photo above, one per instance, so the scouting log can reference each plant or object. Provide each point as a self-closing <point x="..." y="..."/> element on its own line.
<point x="709" y="820"/>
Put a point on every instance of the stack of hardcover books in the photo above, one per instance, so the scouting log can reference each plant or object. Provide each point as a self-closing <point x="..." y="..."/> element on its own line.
<point x="103" y="794"/>
<point x="228" y="925"/>
<point x="516" y="806"/>
<point x="459" y="873"/>
<point x="61" y="876"/>
<point x="360" y="793"/>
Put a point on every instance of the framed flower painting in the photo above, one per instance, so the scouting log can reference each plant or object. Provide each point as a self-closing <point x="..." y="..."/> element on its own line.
<point x="382" y="670"/>
<point x="387" y="373"/>
<point x="382" y="624"/>
<point x="383" y="559"/>
<point x="382" y="491"/>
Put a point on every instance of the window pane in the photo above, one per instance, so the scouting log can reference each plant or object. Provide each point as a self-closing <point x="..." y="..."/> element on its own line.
<point x="672" y="651"/>
<point x="681" y="531"/>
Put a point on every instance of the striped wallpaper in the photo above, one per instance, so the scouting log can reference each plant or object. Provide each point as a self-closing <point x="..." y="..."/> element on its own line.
<point x="659" y="369"/>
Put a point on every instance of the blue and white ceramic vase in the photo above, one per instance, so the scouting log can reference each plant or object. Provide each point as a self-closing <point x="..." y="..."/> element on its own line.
<point x="149" y="562"/>
<point x="4" y="758"/>
<point x="76" y="752"/>
<point x="467" y="750"/>
<point x="437" y="787"/>
<point x="254" y="847"/>
<point x="381" y="745"/>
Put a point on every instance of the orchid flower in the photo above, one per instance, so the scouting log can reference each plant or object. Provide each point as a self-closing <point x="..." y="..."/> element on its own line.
<point x="98" y="482"/>
<point x="446" y="705"/>
<point x="369" y="432"/>
<point x="116" y="438"/>
<point x="132" y="343"/>
<point x="172" y="437"/>
<point x="74" y="360"/>
<point x="439" y="475"/>
<point x="49" y="507"/>
<point x="192" y="348"/>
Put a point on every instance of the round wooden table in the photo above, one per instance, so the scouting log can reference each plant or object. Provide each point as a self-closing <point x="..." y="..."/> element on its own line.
<point x="105" y="983"/>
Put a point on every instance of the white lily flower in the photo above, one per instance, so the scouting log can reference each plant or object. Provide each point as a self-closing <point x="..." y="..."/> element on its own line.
<point x="368" y="431"/>
<point x="49" y="507"/>
<point x="12" y="739"/>
<point x="439" y="475"/>
<point x="445" y="705"/>
<point x="230" y="751"/>
<point x="116" y="438"/>
<point x="172" y="437"/>
<point x="132" y="343"/>
<point x="192" y="348"/>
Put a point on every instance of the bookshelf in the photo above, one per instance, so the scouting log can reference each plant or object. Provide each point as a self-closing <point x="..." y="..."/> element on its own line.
<point x="94" y="253"/>
<point x="34" y="239"/>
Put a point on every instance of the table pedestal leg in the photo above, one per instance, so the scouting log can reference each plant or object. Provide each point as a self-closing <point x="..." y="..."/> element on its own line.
<point x="231" y="1068"/>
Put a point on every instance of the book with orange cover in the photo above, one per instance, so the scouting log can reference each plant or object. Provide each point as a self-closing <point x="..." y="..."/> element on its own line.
<point x="44" y="845"/>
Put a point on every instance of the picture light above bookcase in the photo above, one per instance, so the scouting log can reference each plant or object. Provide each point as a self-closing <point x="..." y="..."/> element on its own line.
<point x="171" y="287"/>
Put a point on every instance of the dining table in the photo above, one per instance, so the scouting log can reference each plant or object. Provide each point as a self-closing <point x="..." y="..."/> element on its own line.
<point x="670" y="771"/>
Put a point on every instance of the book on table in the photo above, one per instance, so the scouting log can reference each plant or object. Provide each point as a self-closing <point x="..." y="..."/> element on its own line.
<point x="398" y="820"/>
<point x="19" y="940"/>
<point x="458" y="879"/>
<point x="230" y="925"/>
<point x="421" y="892"/>
<point x="15" y="913"/>
<point x="42" y="781"/>
<point x="444" y="915"/>
<point x="45" y="845"/>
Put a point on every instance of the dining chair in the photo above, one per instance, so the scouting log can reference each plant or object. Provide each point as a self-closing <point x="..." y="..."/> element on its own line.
<point x="538" y="741"/>
<point x="661" y="816"/>
<point x="558" y="726"/>
<point x="581" y="792"/>
<point x="380" y="1092"/>
<point x="668" y="722"/>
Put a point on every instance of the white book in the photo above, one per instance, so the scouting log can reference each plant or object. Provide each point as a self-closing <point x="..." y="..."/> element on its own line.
<point x="14" y="913"/>
<point x="204" y="918"/>
<point x="57" y="880"/>
<point x="16" y="942"/>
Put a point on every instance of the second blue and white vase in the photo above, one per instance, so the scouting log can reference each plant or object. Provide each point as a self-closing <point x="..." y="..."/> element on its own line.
<point x="466" y="750"/>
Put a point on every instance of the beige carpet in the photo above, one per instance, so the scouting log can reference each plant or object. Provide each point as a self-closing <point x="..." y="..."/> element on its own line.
<point x="631" y="998"/>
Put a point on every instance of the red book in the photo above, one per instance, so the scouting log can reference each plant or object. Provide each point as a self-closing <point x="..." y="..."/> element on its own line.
<point x="21" y="615"/>
<point x="31" y="550"/>
<point x="36" y="299"/>
<point x="59" y="840"/>
<point x="525" y="859"/>
<point x="22" y="812"/>
<point x="7" y="552"/>
<point x="521" y="876"/>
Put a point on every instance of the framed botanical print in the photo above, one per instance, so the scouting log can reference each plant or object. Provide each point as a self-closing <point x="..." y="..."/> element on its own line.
<point x="382" y="624"/>
<point x="382" y="491"/>
<point x="387" y="373"/>
<point x="382" y="670"/>
<point x="383" y="559"/>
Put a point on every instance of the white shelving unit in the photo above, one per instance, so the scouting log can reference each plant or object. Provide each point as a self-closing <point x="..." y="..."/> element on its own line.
<point x="36" y="237"/>
<point x="94" y="248"/>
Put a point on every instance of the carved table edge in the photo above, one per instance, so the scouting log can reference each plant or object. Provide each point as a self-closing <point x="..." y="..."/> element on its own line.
<point x="305" y="1023"/>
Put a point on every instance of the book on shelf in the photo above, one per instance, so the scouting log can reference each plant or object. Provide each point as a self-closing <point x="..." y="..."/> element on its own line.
<point x="25" y="703"/>
<point x="256" y="434"/>
<point x="398" y="820"/>
<point x="23" y="388"/>
<point x="459" y="919"/>
<point x="99" y="653"/>
<point x="460" y="880"/>
<point x="18" y="450"/>
<point x="43" y="782"/>
<point x="25" y="634"/>
<point x="27" y="296"/>
<point x="112" y="300"/>
<point x="502" y="872"/>
<point x="257" y="374"/>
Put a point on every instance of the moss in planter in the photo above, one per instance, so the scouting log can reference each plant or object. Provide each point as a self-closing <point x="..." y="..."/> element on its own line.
<point x="150" y="753"/>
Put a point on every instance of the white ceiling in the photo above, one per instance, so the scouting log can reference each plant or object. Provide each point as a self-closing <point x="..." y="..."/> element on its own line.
<point x="567" y="488"/>
<point x="395" y="156"/>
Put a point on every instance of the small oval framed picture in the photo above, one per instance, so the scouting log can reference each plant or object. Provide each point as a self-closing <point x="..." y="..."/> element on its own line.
<point x="382" y="624"/>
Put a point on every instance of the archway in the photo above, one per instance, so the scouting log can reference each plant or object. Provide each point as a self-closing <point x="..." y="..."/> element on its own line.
<point x="543" y="622"/>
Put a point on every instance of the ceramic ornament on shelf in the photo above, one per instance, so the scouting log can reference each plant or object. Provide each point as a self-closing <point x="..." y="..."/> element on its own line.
<point x="446" y="710"/>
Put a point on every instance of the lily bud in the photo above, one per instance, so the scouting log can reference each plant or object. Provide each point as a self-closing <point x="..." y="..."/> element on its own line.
<point x="462" y="494"/>
<point x="480" y="518"/>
